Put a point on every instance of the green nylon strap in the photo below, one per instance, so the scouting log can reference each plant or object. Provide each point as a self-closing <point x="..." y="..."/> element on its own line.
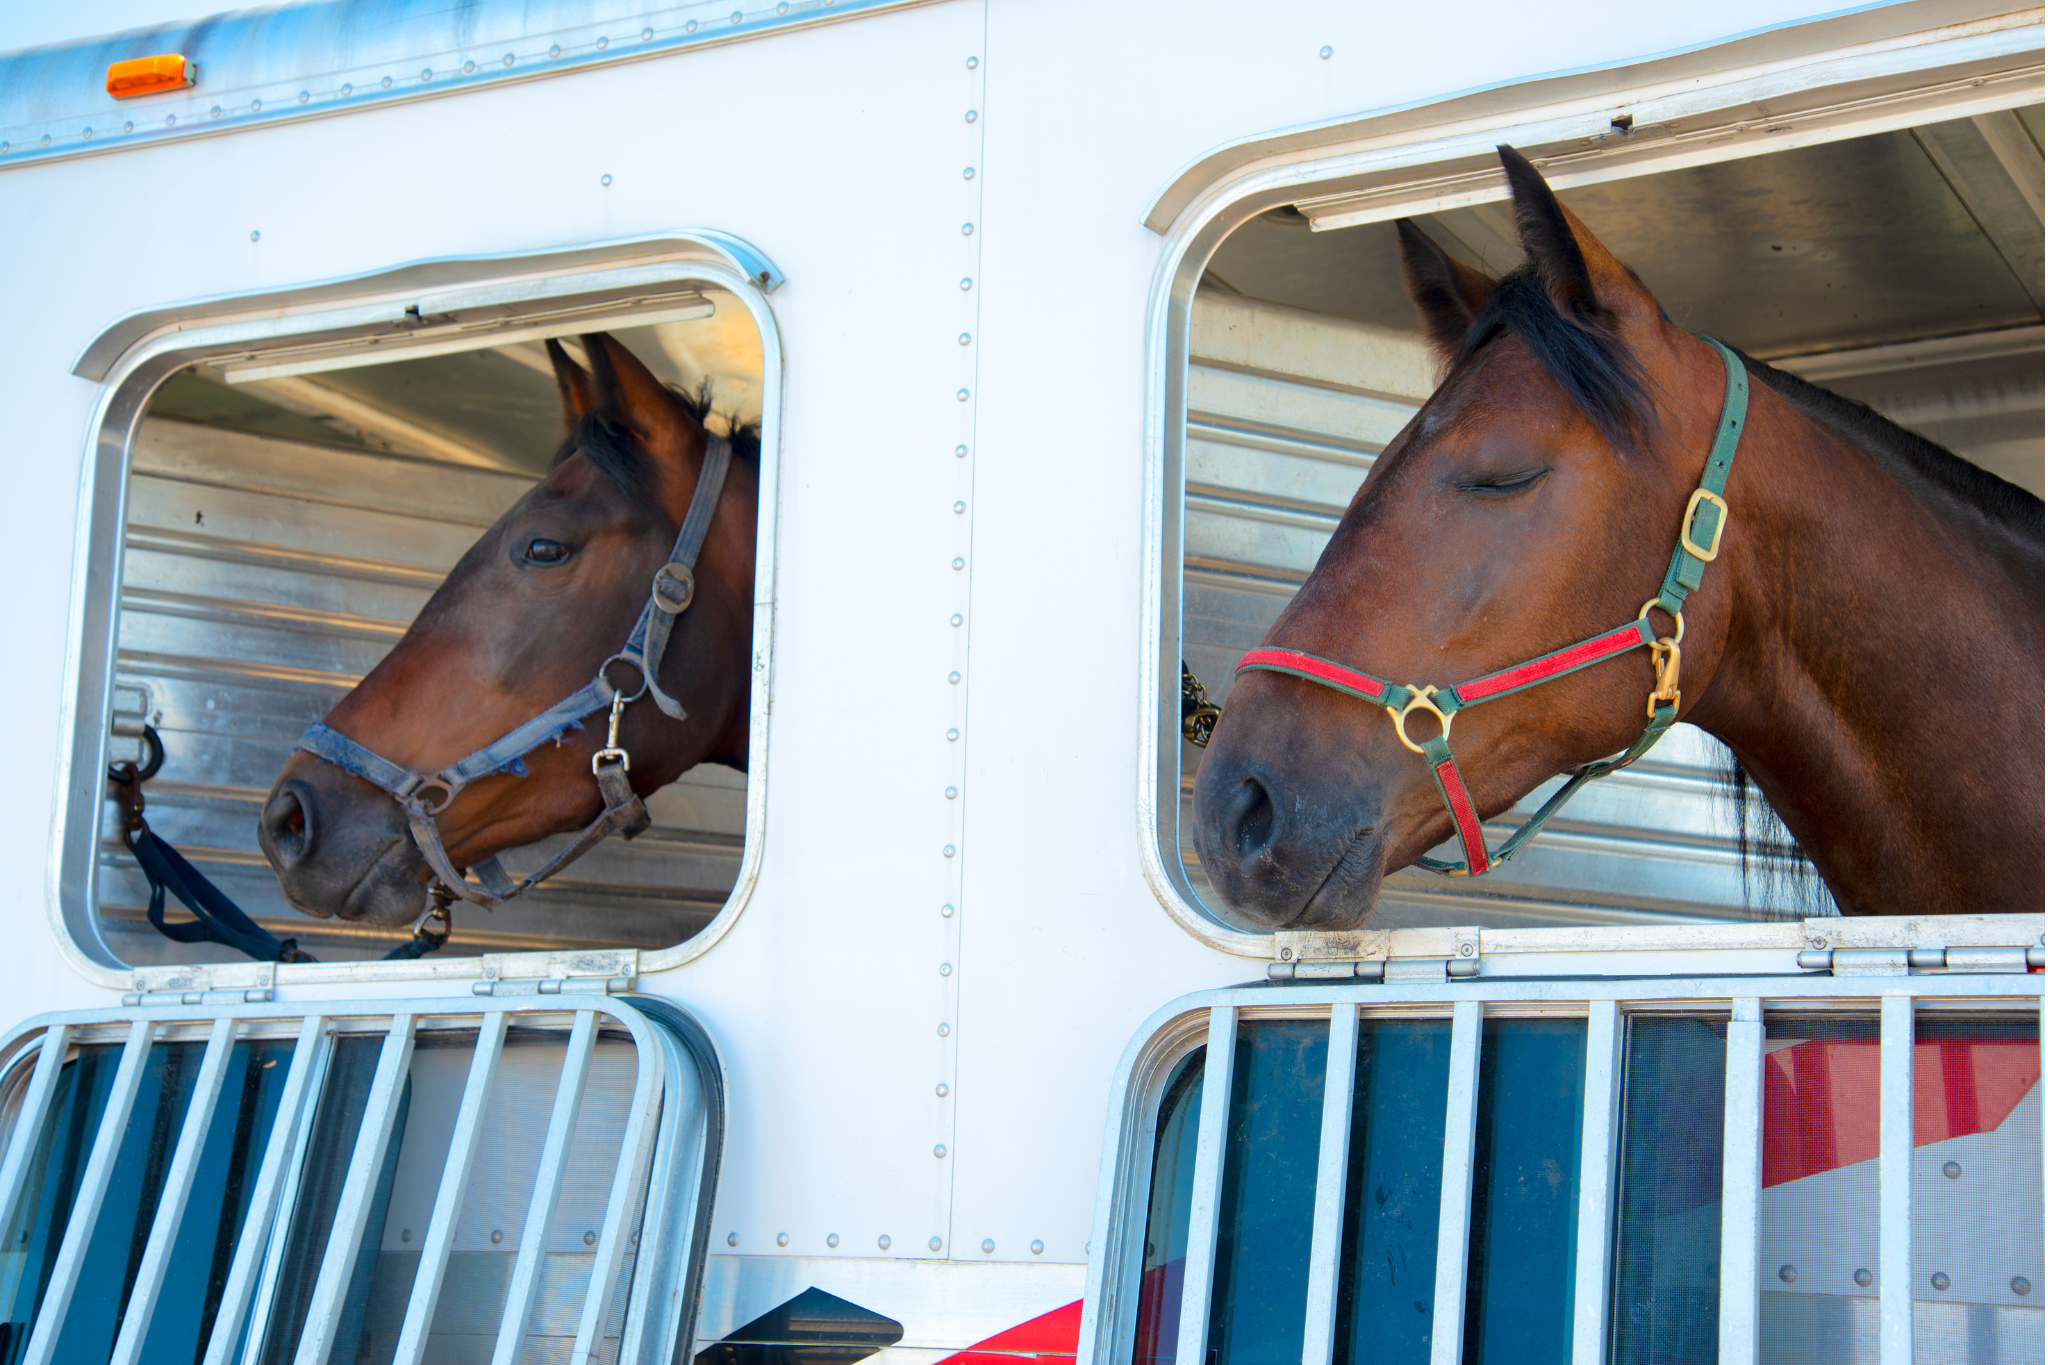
<point x="1705" y="522"/>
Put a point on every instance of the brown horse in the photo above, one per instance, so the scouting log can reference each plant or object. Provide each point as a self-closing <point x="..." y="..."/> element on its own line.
<point x="1868" y="642"/>
<point x="526" y="618"/>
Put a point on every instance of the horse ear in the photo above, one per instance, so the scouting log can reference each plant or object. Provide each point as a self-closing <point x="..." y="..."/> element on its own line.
<point x="574" y="383"/>
<point x="1583" y="278"/>
<point x="630" y="394"/>
<point x="1446" y="292"/>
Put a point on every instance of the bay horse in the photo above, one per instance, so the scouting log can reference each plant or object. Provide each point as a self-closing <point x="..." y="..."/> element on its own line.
<point x="1863" y="628"/>
<point x="527" y="658"/>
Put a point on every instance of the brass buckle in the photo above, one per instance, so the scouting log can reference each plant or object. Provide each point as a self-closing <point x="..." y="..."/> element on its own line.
<point x="1665" y="658"/>
<point x="611" y="749"/>
<point x="1685" y="540"/>
<point x="685" y="588"/>
<point x="1677" y="616"/>
<point x="1419" y="699"/>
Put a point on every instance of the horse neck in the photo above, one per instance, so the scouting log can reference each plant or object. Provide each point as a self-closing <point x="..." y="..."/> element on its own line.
<point x="1880" y="672"/>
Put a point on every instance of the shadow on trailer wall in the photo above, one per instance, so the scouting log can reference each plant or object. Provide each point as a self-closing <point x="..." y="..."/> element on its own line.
<point x="282" y="531"/>
<point x="1903" y="270"/>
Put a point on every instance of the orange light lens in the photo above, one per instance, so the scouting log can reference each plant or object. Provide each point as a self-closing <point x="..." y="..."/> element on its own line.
<point x="148" y="75"/>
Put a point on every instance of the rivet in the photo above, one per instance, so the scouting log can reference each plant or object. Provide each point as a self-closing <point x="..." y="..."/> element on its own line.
<point x="1952" y="1170"/>
<point x="953" y="678"/>
<point x="590" y="1239"/>
<point x="965" y="339"/>
<point x="949" y="850"/>
<point x="945" y="912"/>
<point x="690" y="27"/>
<point x="603" y="43"/>
<point x="1863" y="1278"/>
<point x="943" y="1090"/>
<point x="347" y="90"/>
<point x="782" y="1239"/>
<point x="6" y="147"/>
<point x="88" y="135"/>
<point x="973" y="62"/>
<point x="304" y="95"/>
<point x="46" y="139"/>
<point x="959" y="563"/>
<point x="2021" y="1285"/>
<point x="555" y="49"/>
<point x="946" y="1030"/>
<point x="939" y="1152"/>
<point x="469" y="68"/>
<point x="255" y="107"/>
<point x="735" y="16"/>
<point x="935" y="1243"/>
<point x="255" y="236"/>
<point x="508" y="59"/>
<point x="406" y="1235"/>
<point x="1977" y="82"/>
<point x="497" y="1236"/>
<point x="1465" y="950"/>
<point x="1037" y="1248"/>
<point x="972" y="116"/>
<point x="427" y="74"/>
<point x="385" y="83"/>
<point x="883" y="1241"/>
<point x="967" y="229"/>
<point x="945" y="969"/>
<point x="957" y="618"/>
<point x="958" y="508"/>
<point x="960" y="452"/>
<point x="966" y="284"/>
<point x="215" y="114"/>
<point x="1789" y="1274"/>
<point x="967" y="174"/>
<point x="963" y="395"/>
<point x="1287" y="954"/>
<point x="646" y="35"/>
<point x="782" y="8"/>
<point x="1327" y="52"/>
<point x="1939" y="1279"/>
<point x="988" y="1245"/>
<point x="129" y="126"/>
<point x="604" y="180"/>
<point x="732" y="1239"/>
<point x="952" y="734"/>
<point x="831" y="1239"/>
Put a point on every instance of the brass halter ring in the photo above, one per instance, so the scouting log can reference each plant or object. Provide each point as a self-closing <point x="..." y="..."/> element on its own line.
<point x="1677" y="616"/>
<point x="1419" y="699"/>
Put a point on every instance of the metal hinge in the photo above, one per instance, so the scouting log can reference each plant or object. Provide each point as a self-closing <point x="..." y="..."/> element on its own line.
<point x="261" y="996"/>
<point x="1905" y="961"/>
<point x="1406" y="955"/>
<point x="559" y="985"/>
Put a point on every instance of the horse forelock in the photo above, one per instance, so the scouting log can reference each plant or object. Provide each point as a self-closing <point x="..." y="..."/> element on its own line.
<point x="1585" y="356"/>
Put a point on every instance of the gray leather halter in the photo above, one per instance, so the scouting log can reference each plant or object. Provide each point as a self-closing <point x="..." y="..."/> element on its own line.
<point x="425" y="795"/>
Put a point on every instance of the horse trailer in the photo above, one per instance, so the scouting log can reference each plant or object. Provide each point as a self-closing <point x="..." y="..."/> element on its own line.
<point x="959" y="1053"/>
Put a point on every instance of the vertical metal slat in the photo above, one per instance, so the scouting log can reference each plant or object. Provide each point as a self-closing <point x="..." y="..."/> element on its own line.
<point x="254" y="1237"/>
<point x="636" y="1152"/>
<point x="1332" y="1161"/>
<point x="28" y="1125"/>
<point x="1597" y="1182"/>
<point x="1742" y="1183"/>
<point x="358" y="1193"/>
<point x="547" y="1189"/>
<point x="1199" y="1267"/>
<point x="1454" y="1217"/>
<point x="469" y="1127"/>
<point x="1895" y="1181"/>
<point x="92" y="1188"/>
<point x="177" y="1188"/>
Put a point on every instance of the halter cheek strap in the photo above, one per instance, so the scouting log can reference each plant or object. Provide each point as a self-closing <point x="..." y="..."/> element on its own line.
<point x="424" y="795"/>
<point x="1699" y="541"/>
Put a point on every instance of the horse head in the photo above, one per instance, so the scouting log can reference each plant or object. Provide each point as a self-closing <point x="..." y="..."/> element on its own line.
<point x="1529" y="504"/>
<point x="529" y="615"/>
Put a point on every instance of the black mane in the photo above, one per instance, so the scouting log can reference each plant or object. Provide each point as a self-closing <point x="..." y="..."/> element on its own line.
<point x="611" y="447"/>
<point x="1584" y="355"/>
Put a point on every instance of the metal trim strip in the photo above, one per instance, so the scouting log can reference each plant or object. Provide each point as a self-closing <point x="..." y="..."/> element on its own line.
<point x="1599" y="1145"/>
<point x="28" y="1123"/>
<point x="547" y="1192"/>
<point x="1895" y="1181"/>
<point x="1454" y="1217"/>
<point x="636" y="1152"/>
<point x="1204" y="1203"/>
<point x="1326" y="1230"/>
<point x="1742" y="1183"/>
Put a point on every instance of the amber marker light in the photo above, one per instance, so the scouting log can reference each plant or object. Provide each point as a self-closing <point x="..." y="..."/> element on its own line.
<point x="148" y="75"/>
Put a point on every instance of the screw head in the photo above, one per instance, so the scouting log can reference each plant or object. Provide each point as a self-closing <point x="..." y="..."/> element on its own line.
<point x="590" y="1239"/>
<point x="497" y="1236"/>
<point x="1789" y="1274"/>
<point x="2022" y="1286"/>
<point x="1953" y="1170"/>
<point x="782" y="1239"/>
<point x="1863" y="1279"/>
<point x="405" y="1235"/>
<point x="1038" y="1248"/>
<point x="732" y="1239"/>
<point x="988" y="1245"/>
<point x="1939" y="1279"/>
<point x="1465" y="950"/>
<point x="832" y="1239"/>
<point x="883" y="1241"/>
<point x="1287" y="954"/>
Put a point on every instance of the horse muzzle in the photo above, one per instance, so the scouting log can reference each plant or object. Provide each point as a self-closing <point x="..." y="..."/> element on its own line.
<point x="340" y="848"/>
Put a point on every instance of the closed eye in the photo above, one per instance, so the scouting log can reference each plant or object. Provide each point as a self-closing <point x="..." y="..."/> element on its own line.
<point x="1502" y="485"/>
<point x="545" y="553"/>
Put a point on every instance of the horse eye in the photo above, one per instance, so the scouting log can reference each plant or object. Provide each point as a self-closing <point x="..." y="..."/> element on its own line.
<point x="541" y="551"/>
<point x="1504" y="483"/>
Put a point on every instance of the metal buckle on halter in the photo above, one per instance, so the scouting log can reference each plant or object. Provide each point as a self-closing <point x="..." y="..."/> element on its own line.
<point x="1664" y="658"/>
<point x="1419" y="699"/>
<point x="1708" y="554"/>
<point x="412" y="794"/>
<point x="611" y="749"/>
<point x="686" y="583"/>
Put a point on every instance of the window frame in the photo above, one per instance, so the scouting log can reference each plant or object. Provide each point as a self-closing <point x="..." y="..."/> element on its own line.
<point x="1820" y="81"/>
<point x="1124" y="1178"/>
<point x="466" y="303"/>
<point x="673" y="1053"/>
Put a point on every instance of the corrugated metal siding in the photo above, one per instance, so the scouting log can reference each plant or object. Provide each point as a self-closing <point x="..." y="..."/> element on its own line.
<point x="1286" y="410"/>
<point x="262" y="578"/>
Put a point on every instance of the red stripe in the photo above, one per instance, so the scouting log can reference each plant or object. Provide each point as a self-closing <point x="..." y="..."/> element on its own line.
<point x="1321" y="669"/>
<point x="1462" y="815"/>
<point x="1540" y="670"/>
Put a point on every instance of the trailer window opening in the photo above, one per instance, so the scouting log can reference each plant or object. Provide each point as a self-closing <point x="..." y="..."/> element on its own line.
<point x="1901" y="269"/>
<point x="285" y="522"/>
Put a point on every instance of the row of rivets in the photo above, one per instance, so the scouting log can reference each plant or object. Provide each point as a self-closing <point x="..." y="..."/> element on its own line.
<point x="2019" y="1284"/>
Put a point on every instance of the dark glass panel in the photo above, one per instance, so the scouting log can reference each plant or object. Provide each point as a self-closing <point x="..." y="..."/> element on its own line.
<point x="1269" y="1187"/>
<point x="1166" y="1215"/>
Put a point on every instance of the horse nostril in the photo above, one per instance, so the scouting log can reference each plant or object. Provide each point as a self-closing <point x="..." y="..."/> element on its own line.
<point x="1254" y="819"/>
<point x="287" y="828"/>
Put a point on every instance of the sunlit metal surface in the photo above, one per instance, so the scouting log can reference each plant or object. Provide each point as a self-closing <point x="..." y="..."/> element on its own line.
<point x="289" y="62"/>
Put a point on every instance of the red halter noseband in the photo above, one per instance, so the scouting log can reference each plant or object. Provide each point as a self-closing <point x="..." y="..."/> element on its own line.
<point x="1705" y="514"/>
